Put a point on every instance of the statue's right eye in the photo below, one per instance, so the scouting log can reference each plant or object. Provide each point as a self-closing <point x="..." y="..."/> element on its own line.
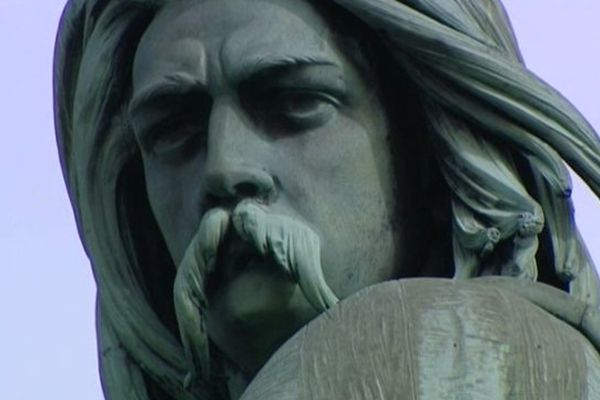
<point x="174" y="127"/>
<point x="176" y="136"/>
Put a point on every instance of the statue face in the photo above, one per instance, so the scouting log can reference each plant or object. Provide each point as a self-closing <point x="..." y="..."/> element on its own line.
<point x="228" y="105"/>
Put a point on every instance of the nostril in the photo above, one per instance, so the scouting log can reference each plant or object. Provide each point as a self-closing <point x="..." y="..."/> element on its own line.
<point x="238" y="183"/>
<point x="246" y="189"/>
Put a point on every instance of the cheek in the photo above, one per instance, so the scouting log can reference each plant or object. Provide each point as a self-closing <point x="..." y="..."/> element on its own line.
<point x="358" y="239"/>
<point x="175" y="201"/>
<point x="349" y="192"/>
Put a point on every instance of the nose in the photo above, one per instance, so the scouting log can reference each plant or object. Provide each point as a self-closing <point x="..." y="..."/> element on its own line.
<point x="236" y="160"/>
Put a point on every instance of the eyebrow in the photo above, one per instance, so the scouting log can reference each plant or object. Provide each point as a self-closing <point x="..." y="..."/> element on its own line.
<point x="174" y="85"/>
<point x="181" y="84"/>
<point x="260" y="65"/>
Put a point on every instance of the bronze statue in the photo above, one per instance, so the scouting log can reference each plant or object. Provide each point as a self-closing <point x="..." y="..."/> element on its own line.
<point x="239" y="167"/>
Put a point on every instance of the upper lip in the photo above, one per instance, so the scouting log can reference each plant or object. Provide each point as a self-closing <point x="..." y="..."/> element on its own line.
<point x="234" y="255"/>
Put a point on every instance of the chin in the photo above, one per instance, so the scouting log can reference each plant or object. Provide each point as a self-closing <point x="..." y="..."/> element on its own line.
<point x="254" y="314"/>
<point x="257" y="294"/>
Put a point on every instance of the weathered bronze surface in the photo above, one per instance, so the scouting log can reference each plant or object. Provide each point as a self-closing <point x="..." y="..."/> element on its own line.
<point x="343" y="199"/>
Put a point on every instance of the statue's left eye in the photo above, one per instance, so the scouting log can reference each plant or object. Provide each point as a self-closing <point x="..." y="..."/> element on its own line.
<point x="303" y="109"/>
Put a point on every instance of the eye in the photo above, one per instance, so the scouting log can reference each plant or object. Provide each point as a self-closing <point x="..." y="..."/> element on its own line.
<point x="302" y="104"/>
<point x="178" y="135"/>
<point x="172" y="126"/>
<point x="301" y="109"/>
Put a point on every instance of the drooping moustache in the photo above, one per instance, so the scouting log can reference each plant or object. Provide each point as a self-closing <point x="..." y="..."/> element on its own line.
<point x="291" y="244"/>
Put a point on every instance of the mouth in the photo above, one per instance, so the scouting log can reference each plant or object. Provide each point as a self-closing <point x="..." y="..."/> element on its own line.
<point x="236" y="257"/>
<point x="263" y="254"/>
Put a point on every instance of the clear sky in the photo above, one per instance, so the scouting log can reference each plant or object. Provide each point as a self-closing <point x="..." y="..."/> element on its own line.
<point x="47" y="340"/>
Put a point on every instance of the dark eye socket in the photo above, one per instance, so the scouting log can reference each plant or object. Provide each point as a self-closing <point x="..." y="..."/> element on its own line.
<point x="179" y="126"/>
<point x="302" y="103"/>
<point x="178" y="133"/>
<point x="297" y="109"/>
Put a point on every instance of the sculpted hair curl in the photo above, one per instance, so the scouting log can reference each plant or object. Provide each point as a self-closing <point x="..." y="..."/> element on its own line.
<point x="499" y="134"/>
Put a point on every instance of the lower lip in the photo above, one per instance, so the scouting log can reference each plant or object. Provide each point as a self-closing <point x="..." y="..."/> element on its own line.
<point x="254" y="265"/>
<point x="242" y="263"/>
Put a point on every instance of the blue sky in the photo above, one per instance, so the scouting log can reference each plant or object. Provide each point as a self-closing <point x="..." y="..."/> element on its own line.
<point x="47" y="339"/>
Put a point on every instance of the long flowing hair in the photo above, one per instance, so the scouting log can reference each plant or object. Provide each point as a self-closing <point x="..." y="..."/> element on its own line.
<point x="499" y="134"/>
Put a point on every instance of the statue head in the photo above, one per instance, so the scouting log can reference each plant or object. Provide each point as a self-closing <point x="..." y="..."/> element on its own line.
<point x="237" y="166"/>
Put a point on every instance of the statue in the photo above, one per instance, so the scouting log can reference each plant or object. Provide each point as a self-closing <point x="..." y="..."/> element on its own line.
<point x="255" y="181"/>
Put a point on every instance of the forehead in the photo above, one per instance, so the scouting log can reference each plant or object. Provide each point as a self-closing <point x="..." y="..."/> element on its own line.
<point x="194" y="37"/>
